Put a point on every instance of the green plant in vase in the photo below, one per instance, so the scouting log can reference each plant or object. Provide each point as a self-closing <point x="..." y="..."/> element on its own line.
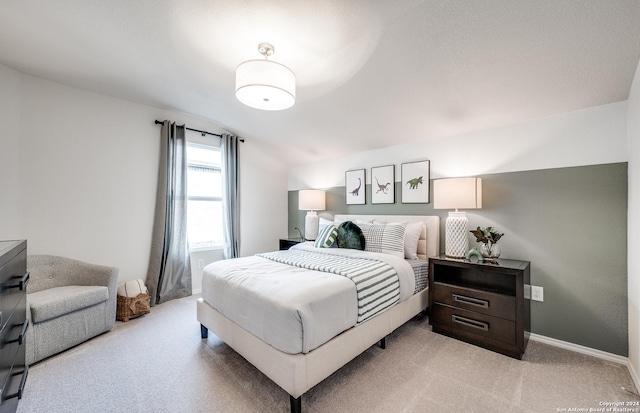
<point x="489" y="238"/>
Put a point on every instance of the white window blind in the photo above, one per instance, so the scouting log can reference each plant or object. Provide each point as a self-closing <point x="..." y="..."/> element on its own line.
<point x="204" y="190"/>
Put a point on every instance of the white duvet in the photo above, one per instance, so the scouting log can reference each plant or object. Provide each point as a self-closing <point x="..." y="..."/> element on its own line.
<point x="293" y="309"/>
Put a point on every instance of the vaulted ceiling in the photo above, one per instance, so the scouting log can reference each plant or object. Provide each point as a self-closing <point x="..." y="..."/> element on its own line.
<point x="370" y="73"/>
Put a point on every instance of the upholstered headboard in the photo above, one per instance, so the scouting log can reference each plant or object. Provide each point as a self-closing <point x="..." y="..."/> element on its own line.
<point x="429" y="242"/>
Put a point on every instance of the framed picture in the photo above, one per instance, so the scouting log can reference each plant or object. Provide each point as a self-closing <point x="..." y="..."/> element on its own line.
<point x="383" y="184"/>
<point x="355" y="187"/>
<point x="415" y="182"/>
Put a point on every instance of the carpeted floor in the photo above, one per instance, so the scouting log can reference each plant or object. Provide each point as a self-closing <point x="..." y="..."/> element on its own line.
<point x="158" y="363"/>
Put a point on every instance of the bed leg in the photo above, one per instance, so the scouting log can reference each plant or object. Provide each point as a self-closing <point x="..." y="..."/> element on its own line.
<point x="296" y="404"/>
<point x="383" y="343"/>
<point x="204" y="332"/>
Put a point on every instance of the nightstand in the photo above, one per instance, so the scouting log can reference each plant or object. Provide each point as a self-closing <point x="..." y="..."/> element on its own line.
<point x="285" y="244"/>
<point x="481" y="303"/>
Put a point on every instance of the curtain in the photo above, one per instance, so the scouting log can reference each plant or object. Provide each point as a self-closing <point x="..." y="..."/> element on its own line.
<point x="230" y="198"/>
<point x="169" y="273"/>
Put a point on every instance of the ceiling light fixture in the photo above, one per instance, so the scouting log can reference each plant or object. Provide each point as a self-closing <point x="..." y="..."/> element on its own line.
<point x="264" y="84"/>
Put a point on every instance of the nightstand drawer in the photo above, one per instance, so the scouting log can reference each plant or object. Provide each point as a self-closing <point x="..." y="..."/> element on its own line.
<point x="478" y="324"/>
<point x="497" y="305"/>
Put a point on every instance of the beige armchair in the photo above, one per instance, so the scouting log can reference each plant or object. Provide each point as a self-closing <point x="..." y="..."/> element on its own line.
<point x="68" y="302"/>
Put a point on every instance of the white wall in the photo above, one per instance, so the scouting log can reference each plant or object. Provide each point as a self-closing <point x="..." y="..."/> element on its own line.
<point x="633" y="228"/>
<point x="586" y="137"/>
<point x="87" y="175"/>
<point x="263" y="201"/>
<point x="11" y="226"/>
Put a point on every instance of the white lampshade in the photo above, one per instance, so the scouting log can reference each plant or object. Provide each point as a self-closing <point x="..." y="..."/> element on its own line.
<point x="457" y="193"/>
<point x="266" y="85"/>
<point x="311" y="200"/>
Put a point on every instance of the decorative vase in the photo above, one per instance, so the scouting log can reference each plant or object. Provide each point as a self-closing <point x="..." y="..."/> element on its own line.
<point x="490" y="251"/>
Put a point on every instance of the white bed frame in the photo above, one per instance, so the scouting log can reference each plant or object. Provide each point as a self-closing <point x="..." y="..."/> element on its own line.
<point x="297" y="373"/>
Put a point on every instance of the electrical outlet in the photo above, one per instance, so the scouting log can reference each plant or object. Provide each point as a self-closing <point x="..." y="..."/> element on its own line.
<point x="200" y="263"/>
<point x="537" y="293"/>
<point x="527" y="292"/>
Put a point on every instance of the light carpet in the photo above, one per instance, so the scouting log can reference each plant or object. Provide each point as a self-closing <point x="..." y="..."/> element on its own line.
<point x="158" y="363"/>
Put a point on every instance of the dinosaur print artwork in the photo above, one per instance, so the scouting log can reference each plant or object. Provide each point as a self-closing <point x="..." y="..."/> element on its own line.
<point x="383" y="181"/>
<point x="413" y="183"/>
<point x="356" y="191"/>
<point x="384" y="188"/>
<point x="355" y="187"/>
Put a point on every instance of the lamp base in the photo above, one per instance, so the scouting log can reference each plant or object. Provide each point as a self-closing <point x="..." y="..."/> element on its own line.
<point x="311" y="222"/>
<point x="456" y="238"/>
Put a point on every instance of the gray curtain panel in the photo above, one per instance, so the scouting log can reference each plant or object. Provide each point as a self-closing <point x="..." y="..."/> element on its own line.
<point x="230" y="198"/>
<point x="169" y="273"/>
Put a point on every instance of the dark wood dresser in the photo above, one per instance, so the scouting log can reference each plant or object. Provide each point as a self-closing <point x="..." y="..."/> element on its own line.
<point x="13" y="323"/>
<point x="481" y="303"/>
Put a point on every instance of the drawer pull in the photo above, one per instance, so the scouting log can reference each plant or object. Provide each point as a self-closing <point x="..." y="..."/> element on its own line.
<point x="24" y="281"/>
<point x="471" y="301"/>
<point x="25" y="327"/>
<point x="23" y="381"/>
<point x="470" y="323"/>
<point x="23" y="332"/>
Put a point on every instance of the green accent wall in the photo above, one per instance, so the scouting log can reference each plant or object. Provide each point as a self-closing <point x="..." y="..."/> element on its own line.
<point x="571" y="223"/>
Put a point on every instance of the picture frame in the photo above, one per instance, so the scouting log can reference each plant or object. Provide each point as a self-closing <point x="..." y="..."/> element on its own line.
<point x="383" y="184"/>
<point x="415" y="179"/>
<point x="355" y="187"/>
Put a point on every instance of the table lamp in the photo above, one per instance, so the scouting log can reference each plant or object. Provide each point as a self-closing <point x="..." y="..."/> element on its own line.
<point x="457" y="193"/>
<point x="311" y="200"/>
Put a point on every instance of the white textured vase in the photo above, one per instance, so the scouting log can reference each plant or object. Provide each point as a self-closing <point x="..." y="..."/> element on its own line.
<point x="456" y="236"/>
<point x="311" y="222"/>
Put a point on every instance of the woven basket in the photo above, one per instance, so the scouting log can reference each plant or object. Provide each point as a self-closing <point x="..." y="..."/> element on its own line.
<point x="132" y="307"/>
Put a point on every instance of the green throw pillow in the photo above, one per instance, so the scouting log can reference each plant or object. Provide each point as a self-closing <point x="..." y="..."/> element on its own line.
<point x="350" y="236"/>
<point x="326" y="236"/>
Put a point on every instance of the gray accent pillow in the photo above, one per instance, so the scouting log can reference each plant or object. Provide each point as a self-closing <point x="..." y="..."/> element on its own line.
<point x="350" y="236"/>
<point x="385" y="238"/>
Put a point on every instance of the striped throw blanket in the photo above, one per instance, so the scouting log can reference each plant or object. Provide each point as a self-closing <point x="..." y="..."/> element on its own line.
<point x="377" y="283"/>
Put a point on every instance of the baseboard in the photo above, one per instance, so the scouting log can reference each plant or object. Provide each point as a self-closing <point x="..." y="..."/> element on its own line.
<point x="198" y="291"/>
<point x="583" y="350"/>
<point x="634" y="375"/>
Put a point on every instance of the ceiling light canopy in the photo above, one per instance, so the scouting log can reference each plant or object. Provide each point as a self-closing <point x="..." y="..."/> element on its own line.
<point x="264" y="84"/>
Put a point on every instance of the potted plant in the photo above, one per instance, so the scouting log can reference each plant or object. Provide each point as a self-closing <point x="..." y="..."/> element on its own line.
<point x="489" y="238"/>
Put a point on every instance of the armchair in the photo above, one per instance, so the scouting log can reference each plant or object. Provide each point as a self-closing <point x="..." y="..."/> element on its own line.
<point x="68" y="302"/>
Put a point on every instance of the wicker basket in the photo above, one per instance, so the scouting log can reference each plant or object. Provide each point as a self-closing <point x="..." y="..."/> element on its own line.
<point x="132" y="307"/>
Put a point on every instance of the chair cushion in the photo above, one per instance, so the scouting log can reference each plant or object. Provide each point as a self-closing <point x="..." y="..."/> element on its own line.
<point x="57" y="301"/>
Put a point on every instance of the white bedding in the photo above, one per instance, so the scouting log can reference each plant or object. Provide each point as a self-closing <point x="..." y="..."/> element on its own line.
<point x="293" y="309"/>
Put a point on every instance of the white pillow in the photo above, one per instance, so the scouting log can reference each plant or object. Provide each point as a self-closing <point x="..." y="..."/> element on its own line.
<point x="363" y="221"/>
<point x="411" y="237"/>
<point x="324" y="222"/>
<point x="131" y="288"/>
<point x="384" y="238"/>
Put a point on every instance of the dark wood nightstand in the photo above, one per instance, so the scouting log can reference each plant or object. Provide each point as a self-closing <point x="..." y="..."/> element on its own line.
<point x="481" y="303"/>
<point x="285" y="244"/>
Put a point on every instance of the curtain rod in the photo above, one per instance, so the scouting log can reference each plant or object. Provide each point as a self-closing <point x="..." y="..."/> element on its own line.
<point x="203" y="132"/>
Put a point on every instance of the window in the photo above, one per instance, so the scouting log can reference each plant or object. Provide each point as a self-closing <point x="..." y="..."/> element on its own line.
<point x="204" y="191"/>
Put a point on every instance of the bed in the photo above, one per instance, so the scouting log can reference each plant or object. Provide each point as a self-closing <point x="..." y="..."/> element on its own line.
<point x="297" y="364"/>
